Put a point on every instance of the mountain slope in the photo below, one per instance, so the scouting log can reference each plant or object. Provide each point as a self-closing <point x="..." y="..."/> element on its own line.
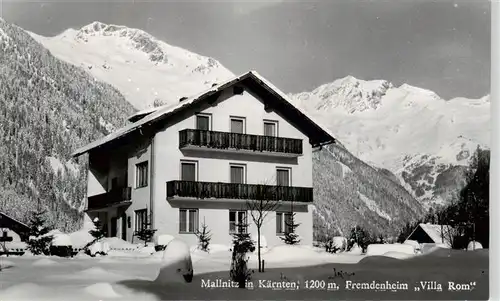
<point x="143" y="68"/>
<point x="424" y="140"/>
<point x="349" y="192"/>
<point x="48" y="108"/>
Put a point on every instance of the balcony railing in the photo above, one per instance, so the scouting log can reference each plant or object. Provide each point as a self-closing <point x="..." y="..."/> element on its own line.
<point x="212" y="190"/>
<point x="114" y="197"/>
<point x="236" y="141"/>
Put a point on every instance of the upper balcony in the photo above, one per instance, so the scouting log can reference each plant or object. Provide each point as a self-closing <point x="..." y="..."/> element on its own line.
<point x="190" y="139"/>
<point x="233" y="191"/>
<point x="114" y="198"/>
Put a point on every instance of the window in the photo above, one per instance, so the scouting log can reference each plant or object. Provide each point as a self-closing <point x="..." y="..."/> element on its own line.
<point x="141" y="177"/>
<point x="270" y="128"/>
<point x="141" y="219"/>
<point x="203" y="122"/>
<point x="188" y="220"/>
<point x="188" y="171"/>
<point x="283" y="222"/>
<point x="237" y="174"/>
<point x="237" y="221"/>
<point x="237" y="125"/>
<point x="283" y="177"/>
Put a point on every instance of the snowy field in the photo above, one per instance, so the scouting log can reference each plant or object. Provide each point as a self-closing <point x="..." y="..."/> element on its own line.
<point x="130" y="275"/>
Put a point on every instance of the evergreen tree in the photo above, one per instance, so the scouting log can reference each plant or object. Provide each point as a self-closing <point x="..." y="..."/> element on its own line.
<point x="39" y="242"/>
<point x="290" y="237"/>
<point x="98" y="231"/>
<point x="146" y="234"/>
<point x="242" y="244"/>
<point x="361" y="237"/>
<point x="467" y="217"/>
<point x="204" y="236"/>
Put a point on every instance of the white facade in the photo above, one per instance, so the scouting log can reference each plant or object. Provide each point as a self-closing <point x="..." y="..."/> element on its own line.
<point x="164" y="157"/>
<point x="215" y="167"/>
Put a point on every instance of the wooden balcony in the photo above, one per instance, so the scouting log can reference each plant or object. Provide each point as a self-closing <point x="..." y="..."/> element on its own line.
<point x="229" y="191"/>
<point x="234" y="142"/>
<point x="114" y="198"/>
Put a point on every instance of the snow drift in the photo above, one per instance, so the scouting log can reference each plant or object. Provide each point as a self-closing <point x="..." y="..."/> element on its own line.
<point x="176" y="264"/>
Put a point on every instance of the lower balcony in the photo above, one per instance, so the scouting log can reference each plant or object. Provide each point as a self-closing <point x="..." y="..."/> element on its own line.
<point x="114" y="198"/>
<point x="230" y="191"/>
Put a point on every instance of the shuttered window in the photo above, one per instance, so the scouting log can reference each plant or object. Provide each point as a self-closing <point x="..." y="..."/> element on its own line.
<point x="188" y="171"/>
<point x="237" y="126"/>
<point x="203" y="122"/>
<point x="237" y="221"/>
<point x="188" y="220"/>
<point x="141" y="218"/>
<point x="141" y="176"/>
<point x="283" y="222"/>
<point x="237" y="174"/>
<point x="270" y="129"/>
<point x="283" y="177"/>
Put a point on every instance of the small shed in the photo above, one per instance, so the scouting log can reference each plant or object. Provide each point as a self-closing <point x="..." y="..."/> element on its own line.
<point x="10" y="227"/>
<point x="430" y="234"/>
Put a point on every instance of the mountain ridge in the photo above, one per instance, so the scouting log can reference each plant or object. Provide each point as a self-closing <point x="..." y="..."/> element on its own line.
<point x="148" y="71"/>
<point x="429" y="138"/>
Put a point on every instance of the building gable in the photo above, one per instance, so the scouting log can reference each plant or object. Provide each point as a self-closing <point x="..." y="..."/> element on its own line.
<point x="14" y="225"/>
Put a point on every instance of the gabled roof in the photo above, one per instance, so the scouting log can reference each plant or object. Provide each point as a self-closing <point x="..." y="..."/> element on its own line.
<point x="434" y="232"/>
<point x="152" y="115"/>
<point x="20" y="224"/>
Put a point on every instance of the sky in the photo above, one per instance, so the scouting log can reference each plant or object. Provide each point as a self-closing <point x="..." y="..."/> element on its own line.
<point x="441" y="45"/>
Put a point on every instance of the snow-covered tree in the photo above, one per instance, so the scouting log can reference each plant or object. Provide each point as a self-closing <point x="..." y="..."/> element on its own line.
<point x="146" y="233"/>
<point x="38" y="241"/>
<point x="204" y="236"/>
<point x="242" y="245"/>
<point x="290" y="237"/>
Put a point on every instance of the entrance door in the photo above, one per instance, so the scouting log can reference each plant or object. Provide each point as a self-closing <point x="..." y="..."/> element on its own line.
<point x="114" y="227"/>
<point x="124" y="226"/>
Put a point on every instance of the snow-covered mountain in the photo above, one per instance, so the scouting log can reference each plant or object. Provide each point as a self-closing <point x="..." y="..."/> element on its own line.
<point x="146" y="70"/>
<point x="424" y="140"/>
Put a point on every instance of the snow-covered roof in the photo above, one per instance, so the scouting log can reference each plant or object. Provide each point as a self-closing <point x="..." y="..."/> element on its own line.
<point x="434" y="232"/>
<point x="13" y="219"/>
<point x="168" y="110"/>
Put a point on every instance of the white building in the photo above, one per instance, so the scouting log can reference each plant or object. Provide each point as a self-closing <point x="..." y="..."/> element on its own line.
<point x="202" y="160"/>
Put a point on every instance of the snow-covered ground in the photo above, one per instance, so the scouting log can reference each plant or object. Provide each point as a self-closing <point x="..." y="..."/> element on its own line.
<point x="130" y="275"/>
<point x="94" y="278"/>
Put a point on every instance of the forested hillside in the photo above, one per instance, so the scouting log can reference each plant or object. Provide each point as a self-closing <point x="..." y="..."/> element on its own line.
<point x="48" y="108"/>
<point x="348" y="193"/>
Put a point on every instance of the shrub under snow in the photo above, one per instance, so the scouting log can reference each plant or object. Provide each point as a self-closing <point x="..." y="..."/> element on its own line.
<point x="61" y="239"/>
<point x="474" y="245"/>
<point x="161" y="241"/>
<point x="431" y="247"/>
<point x="176" y="264"/>
<point x="61" y="245"/>
<point x="381" y="249"/>
<point x="99" y="248"/>
<point x="414" y="244"/>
